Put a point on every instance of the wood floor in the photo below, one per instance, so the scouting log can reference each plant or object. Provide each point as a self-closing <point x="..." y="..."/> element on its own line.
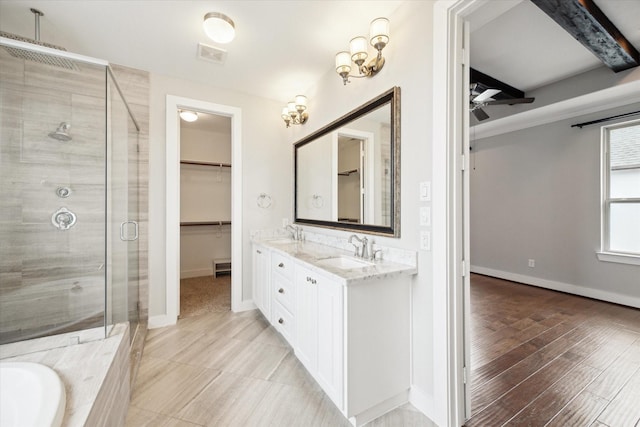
<point x="544" y="358"/>
<point x="233" y="369"/>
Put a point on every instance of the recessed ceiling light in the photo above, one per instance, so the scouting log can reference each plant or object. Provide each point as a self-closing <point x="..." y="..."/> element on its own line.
<point x="219" y="27"/>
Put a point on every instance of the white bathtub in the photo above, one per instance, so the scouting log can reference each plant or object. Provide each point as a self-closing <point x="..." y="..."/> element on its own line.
<point x="31" y="395"/>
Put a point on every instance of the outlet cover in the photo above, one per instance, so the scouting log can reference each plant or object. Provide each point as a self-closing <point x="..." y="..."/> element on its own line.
<point x="532" y="263"/>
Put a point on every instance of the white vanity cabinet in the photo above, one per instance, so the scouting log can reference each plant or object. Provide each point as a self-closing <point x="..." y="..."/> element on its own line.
<point x="261" y="279"/>
<point x="283" y="295"/>
<point x="319" y="330"/>
<point x="350" y="328"/>
<point x="354" y="340"/>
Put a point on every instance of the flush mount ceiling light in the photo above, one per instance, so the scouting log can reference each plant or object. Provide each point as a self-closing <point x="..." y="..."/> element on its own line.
<point x="295" y="112"/>
<point x="219" y="27"/>
<point x="188" y="116"/>
<point x="378" y="38"/>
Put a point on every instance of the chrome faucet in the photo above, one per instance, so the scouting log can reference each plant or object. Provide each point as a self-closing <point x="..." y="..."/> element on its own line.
<point x="362" y="251"/>
<point x="295" y="231"/>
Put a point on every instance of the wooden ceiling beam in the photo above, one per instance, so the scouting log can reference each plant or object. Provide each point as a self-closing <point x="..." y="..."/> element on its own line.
<point x="584" y="20"/>
<point x="485" y="82"/>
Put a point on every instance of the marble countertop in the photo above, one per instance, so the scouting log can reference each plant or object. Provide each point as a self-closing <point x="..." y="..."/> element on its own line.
<point x="314" y="255"/>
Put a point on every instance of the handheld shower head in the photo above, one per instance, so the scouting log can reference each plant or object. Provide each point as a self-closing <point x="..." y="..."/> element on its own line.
<point x="62" y="133"/>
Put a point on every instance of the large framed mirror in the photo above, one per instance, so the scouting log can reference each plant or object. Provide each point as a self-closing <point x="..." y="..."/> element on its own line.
<point x="347" y="174"/>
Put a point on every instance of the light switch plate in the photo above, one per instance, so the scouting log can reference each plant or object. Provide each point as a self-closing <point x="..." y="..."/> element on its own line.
<point x="425" y="216"/>
<point x="425" y="191"/>
<point x="425" y="240"/>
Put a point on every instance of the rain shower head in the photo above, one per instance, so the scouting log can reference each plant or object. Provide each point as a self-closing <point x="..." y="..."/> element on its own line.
<point x="36" y="56"/>
<point x="62" y="133"/>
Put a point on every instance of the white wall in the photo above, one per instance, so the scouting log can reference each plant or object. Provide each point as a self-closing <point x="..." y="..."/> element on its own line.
<point x="409" y="66"/>
<point x="267" y="168"/>
<point x="535" y="194"/>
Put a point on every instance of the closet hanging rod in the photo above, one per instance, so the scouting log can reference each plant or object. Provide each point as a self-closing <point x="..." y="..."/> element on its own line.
<point x="195" y="162"/>
<point x="195" y="223"/>
<point x="606" y="119"/>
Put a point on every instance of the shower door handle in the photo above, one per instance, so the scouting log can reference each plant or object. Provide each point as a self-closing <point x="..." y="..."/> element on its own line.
<point x="123" y="227"/>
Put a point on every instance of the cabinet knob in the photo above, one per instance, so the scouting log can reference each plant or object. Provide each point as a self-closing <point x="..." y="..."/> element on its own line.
<point x="259" y="252"/>
<point x="281" y="265"/>
<point x="281" y="320"/>
<point x="281" y="290"/>
<point x="313" y="281"/>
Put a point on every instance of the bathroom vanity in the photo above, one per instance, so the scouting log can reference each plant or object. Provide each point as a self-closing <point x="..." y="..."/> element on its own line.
<point x="347" y="319"/>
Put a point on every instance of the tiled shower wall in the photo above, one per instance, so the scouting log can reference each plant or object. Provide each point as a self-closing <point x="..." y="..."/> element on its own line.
<point x="37" y="260"/>
<point x="50" y="278"/>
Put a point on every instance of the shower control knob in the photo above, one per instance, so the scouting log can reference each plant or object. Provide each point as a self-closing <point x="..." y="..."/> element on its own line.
<point x="63" y="219"/>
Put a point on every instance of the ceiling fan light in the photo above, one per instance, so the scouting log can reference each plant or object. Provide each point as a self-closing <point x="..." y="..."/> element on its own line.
<point x="219" y="27"/>
<point x="188" y="116"/>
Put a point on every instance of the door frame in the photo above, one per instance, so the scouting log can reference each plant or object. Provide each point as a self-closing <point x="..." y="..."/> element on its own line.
<point x="366" y="178"/>
<point x="450" y="209"/>
<point x="172" y="201"/>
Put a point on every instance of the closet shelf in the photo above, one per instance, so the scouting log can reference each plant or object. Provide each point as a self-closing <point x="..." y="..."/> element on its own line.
<point x="195" y="162"/>
<point x="197" y="223"/>
<point x="347" y="173"/>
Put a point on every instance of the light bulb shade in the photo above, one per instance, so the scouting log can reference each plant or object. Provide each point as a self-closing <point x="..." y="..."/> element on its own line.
<point x="343" y="63"/>
<point x="219" y="27"/>
<point x="285" y="113"/>
<point x="301" y="102"/>
<point x="358" y="48"/>
<point x="291" y="106"/>
<point x="379" y="33"/>
<point x="188" y="116"/>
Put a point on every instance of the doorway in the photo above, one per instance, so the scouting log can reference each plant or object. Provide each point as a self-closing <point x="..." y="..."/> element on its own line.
<point x="205" y="213"/>
<point x="175" y="104"/>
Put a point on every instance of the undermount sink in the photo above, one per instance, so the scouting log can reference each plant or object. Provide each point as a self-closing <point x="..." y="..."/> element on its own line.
<point x="344" y="262"/>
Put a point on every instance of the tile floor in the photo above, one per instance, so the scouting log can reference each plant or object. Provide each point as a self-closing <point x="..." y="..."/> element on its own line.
<point x="233" y="369"/>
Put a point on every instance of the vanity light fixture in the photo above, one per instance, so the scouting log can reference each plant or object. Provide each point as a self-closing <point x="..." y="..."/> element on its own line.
<point x="219" y="27"/>
<point x="295" y="112"/>
<point x="188" y="116"/>
<point x="378" y="38"/>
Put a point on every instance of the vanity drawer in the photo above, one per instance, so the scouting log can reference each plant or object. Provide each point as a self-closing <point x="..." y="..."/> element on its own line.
<point x="283" y="291"/>
<point x="283" y="322"/>
<point x="282" y="265"/>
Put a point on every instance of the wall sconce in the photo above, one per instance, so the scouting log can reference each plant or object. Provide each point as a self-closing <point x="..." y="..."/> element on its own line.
<point x="378" y="37"/>
<point x="295" y="112"/>
<point x="188" y="116"/>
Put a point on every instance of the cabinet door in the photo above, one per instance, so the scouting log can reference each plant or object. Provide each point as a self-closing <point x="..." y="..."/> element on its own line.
<point x="261" y="294"/>
<point x="306" y="318"/>
<point x="330" y="324"/>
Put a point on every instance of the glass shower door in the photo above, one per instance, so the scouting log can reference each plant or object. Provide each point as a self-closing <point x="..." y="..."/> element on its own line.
<point x="122" y="201"/>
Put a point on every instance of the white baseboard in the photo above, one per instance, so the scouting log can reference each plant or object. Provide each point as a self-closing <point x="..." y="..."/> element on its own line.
<point x="244" y="306"/>
<point x="422" y="401"/>
<point x="380" y="409"/>
<point x="187" y="274"/>
<point x="560" y="286"/>
<point x="160" y="321"/>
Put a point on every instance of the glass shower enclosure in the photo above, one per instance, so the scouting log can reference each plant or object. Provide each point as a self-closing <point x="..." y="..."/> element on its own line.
<point x="68" y="195"/>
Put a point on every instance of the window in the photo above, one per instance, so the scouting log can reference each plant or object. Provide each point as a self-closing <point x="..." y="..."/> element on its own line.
<point x="621" y="190"/>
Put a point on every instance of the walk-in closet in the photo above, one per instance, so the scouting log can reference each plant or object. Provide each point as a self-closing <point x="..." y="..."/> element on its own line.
<point x="205" y="213"/>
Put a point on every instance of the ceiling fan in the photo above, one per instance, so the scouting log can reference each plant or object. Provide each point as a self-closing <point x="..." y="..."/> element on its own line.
<point x="478" y="100"/>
